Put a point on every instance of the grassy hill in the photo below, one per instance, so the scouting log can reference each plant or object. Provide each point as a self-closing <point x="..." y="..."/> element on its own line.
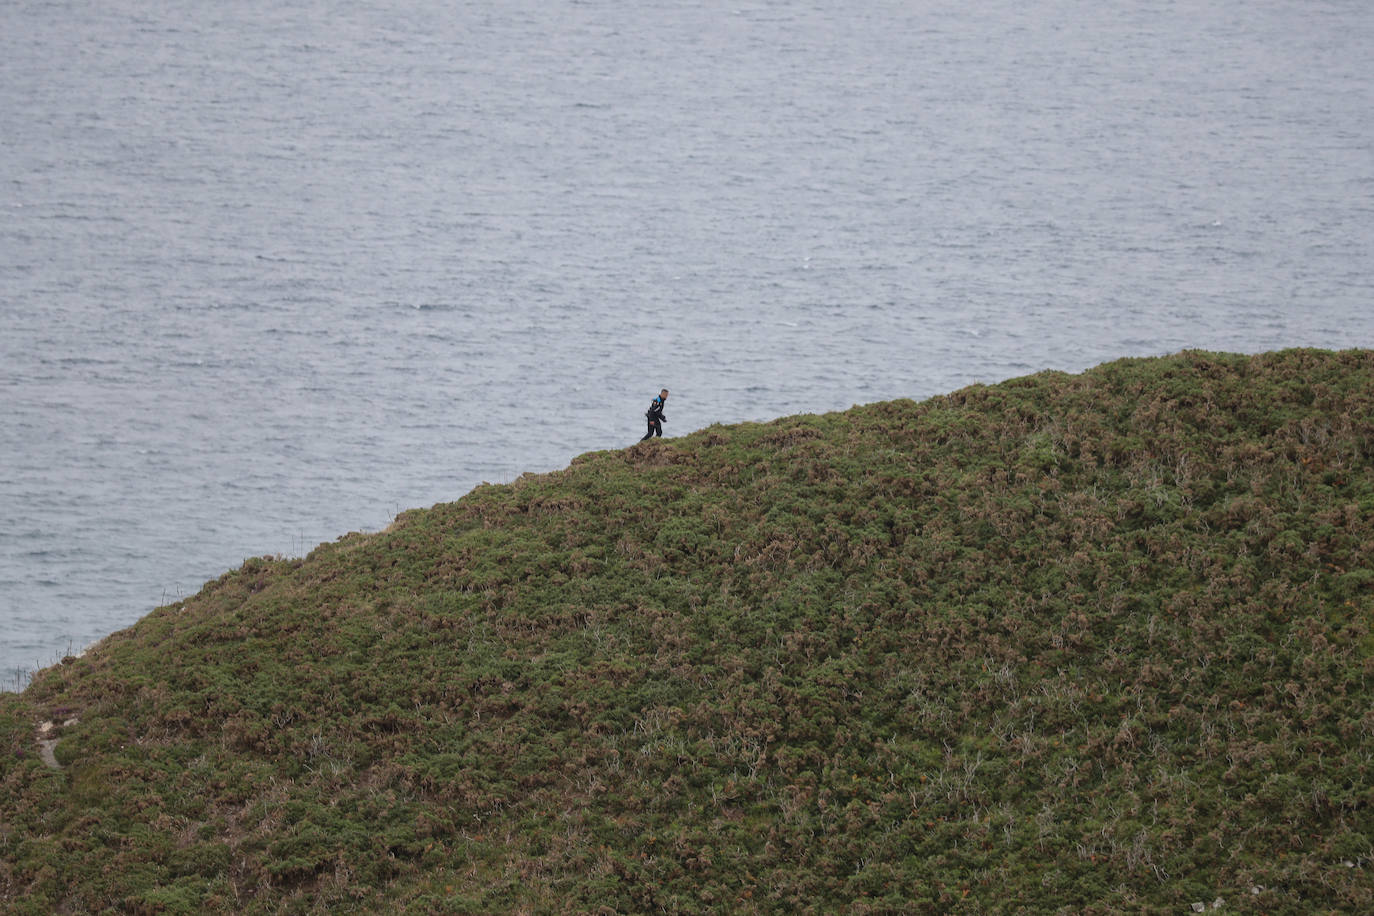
<point x="1087" y="643"/>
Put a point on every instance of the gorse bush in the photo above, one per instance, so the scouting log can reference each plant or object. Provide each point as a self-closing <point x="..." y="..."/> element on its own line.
<point x="1090" y="643"/>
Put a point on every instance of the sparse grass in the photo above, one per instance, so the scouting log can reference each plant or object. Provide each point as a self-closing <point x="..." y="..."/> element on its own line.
<point x="1089" y="643"/>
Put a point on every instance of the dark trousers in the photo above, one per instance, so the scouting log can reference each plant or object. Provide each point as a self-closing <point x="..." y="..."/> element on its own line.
<point x="655" y="429"/>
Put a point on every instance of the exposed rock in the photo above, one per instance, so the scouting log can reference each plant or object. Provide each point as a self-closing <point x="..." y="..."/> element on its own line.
<point x="45" y="752"/>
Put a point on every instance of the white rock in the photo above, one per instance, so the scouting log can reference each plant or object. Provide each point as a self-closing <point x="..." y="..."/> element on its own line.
<point x="1199" y="907"/>
<point x="45" y="753"/>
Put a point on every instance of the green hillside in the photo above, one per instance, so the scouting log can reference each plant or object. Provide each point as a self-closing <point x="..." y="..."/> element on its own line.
<point x="1082" y="643"/>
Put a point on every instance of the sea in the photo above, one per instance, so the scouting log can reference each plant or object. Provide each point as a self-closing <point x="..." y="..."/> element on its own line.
<point x="272" y="271"/>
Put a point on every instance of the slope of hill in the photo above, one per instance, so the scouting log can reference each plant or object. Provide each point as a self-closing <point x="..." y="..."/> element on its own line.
<point x="1093" y="643"/>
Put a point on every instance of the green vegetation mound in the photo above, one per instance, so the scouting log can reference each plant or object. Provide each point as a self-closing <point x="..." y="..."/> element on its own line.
<point x="1087" y="643"/>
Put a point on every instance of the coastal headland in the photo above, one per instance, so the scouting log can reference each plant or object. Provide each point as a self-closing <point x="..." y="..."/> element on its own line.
<point x="1096" y="643"/>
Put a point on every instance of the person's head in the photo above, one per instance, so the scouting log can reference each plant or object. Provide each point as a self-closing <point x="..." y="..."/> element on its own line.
<point x="663" y="394"/>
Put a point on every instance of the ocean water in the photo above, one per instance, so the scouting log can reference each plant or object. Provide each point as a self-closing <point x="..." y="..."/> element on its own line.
<point x="274" y="271"/>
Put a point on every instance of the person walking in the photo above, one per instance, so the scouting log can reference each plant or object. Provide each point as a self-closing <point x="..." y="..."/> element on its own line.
<point x="655" y="416"/>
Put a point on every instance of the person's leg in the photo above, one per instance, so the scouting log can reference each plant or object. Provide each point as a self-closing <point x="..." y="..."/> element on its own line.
<point x="658" y="429"/>
<point x="650" y="433"/>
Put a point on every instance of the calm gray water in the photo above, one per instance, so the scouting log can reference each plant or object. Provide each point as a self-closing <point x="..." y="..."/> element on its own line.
<point x="272" y="271"/>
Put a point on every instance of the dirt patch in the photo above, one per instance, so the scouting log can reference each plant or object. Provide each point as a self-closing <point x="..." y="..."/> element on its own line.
<point x="47" y="744"/>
